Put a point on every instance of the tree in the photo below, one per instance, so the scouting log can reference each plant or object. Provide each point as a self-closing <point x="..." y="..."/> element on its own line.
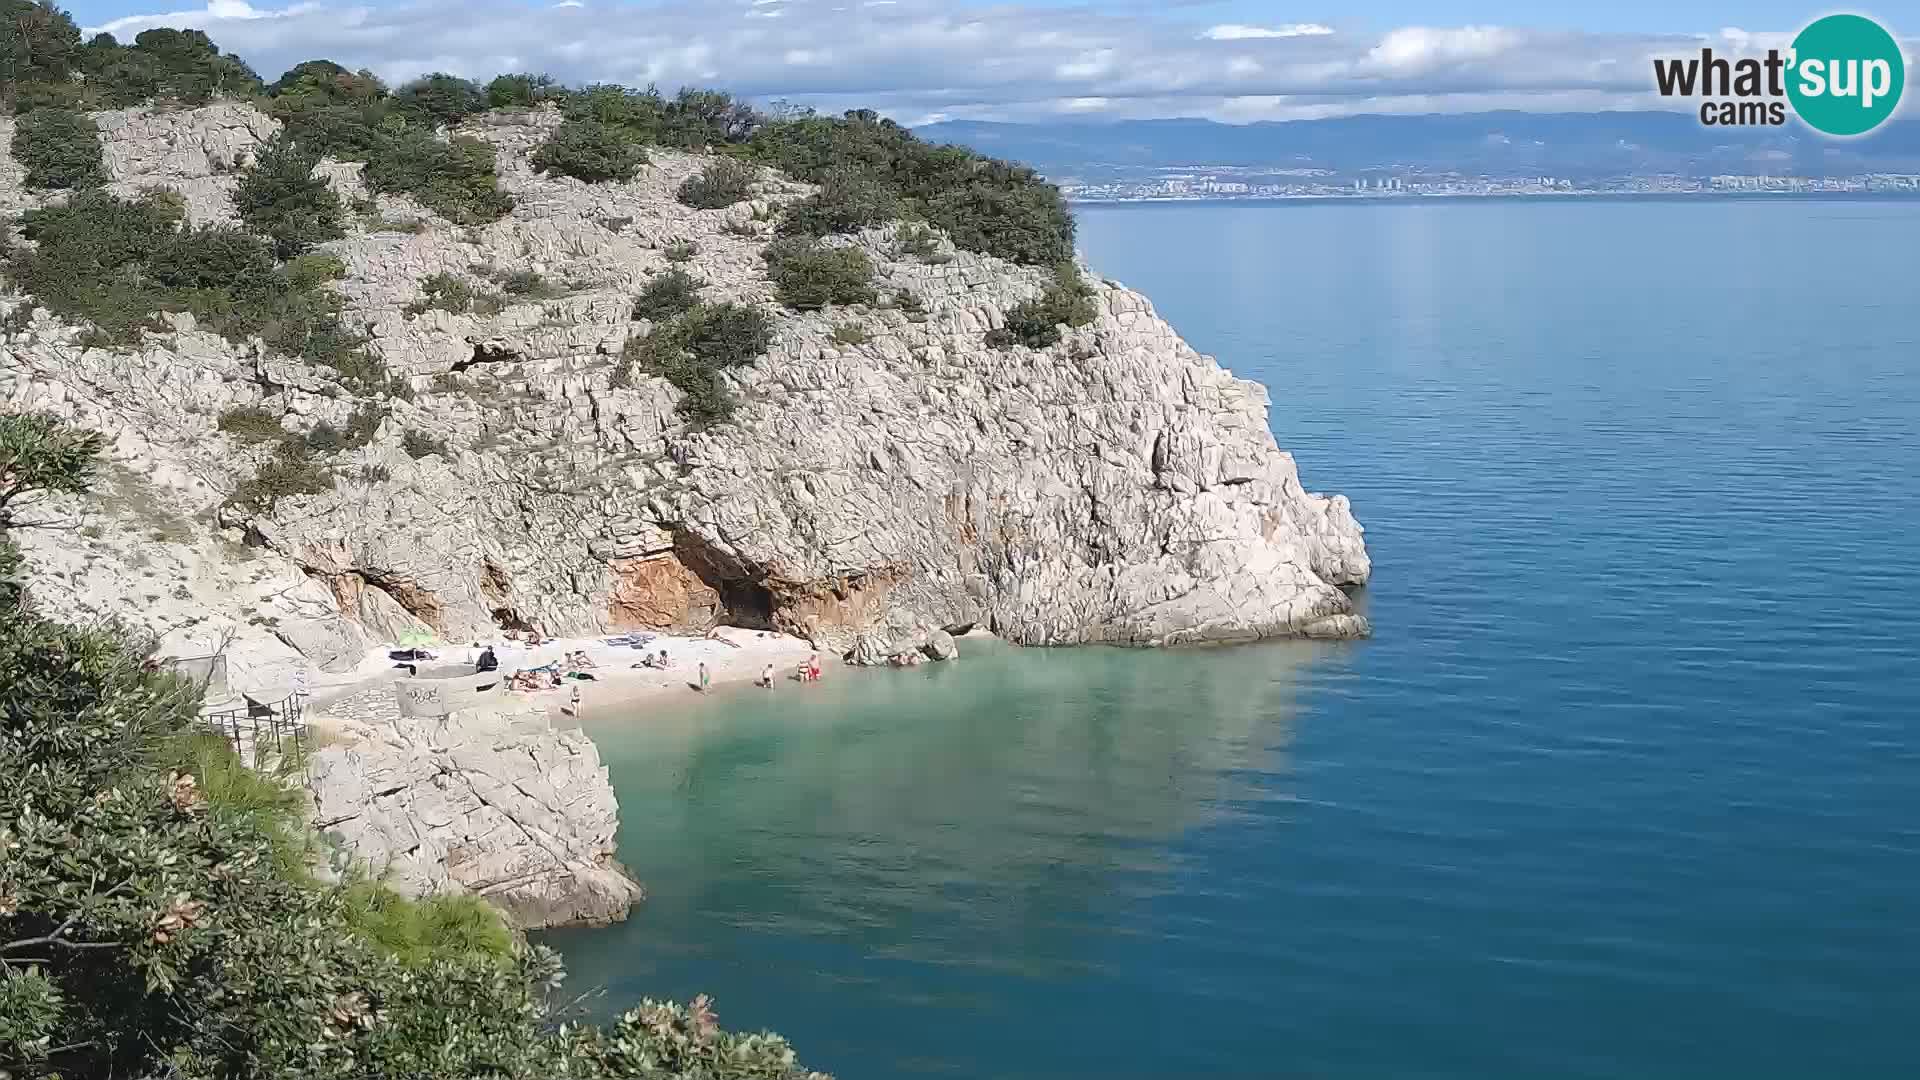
<point x="39" y="456"/>
<point x="329" y="81"/>
<point x="281" y="198"/>
<point x="39" y="43"/>
<point x="521" y="91"/>
<point x="440" y="100"/>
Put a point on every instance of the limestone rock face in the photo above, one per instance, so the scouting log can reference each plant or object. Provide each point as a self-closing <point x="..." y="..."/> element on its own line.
<point x="479" y="802"/>
<point x="1115" y="487"/>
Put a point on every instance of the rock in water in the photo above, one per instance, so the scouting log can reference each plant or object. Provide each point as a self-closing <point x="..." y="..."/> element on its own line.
<point x="483" y="802"/>
<point x="940" y="646"/>
<point x="888" y="472"/>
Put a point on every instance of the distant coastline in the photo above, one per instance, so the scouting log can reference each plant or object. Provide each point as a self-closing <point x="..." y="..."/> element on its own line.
<point x="1506" y="196"/>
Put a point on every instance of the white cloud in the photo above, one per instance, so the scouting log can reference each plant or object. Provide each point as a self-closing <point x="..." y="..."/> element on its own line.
<point x="1243" y="32"/>
<point x="918" y="58"/>
<point x="1415" y="49"/>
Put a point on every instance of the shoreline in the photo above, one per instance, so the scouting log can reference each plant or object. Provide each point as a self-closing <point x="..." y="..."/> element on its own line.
<point x="735" y="657"/>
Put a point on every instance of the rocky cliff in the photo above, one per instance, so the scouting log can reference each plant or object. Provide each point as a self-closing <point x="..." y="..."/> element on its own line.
<point x="1116" y="487"/>
<point x="483" y="802"/>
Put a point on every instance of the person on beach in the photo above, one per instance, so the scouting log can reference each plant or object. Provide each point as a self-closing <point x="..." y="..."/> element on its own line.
<point x="766" y="676"/>
<point x="813" y="667"/>
<point x="573" y="706"/>
<point x="706" y="680"/>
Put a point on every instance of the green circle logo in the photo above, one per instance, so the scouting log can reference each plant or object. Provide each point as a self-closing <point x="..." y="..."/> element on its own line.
<point x="1845" y="75"/>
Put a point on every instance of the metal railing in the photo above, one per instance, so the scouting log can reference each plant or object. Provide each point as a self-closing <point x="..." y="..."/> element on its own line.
<point x="261" y="728"/>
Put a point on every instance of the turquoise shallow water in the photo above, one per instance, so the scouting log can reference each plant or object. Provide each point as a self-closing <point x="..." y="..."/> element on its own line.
<point x="1627" y="783"/>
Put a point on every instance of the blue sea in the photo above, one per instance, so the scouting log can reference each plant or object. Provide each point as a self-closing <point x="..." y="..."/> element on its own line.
<point x="1626" y="784"/>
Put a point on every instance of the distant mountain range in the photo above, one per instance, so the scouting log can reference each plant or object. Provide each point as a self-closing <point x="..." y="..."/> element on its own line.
<point x="1491" y="143"/>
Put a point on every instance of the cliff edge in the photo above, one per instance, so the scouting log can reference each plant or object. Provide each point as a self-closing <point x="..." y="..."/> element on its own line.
<point x="888" y="473"/>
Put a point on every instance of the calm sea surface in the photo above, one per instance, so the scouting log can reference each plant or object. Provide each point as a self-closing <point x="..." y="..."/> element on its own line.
<point x="1626" y="785"/>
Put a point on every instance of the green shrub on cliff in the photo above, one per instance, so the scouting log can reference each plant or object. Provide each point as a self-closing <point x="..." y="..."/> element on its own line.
<point x="281" y="199"/>
<point x="117" y="264"/>
<point x="846" y="202"/>
<point x="984" y="204"/>
<point x="158" y="917"/>
<point x="60" y="149"/>
<point x="666" y="295"/>
<point x="591" y="151"/>
<point x="693" y="348"/>
<point x="439" y="100"/>
<point x="720" y="185"/>
<point x="808" y="275"/>
<point x="1067" y="300"/>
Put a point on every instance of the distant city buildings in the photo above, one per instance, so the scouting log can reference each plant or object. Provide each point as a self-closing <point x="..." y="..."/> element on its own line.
<point x="1253" y="183"/>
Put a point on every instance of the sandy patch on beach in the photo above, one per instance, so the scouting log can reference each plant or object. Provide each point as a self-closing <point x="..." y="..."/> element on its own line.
<point x="739" y="657"/>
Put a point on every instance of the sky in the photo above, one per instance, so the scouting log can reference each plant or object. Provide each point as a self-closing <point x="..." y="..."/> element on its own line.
<point x="1026" y="60"/>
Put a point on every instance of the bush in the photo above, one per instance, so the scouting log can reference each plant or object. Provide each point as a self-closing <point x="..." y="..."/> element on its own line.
<point x="591" y="151"/>
<point x="846" y="202"/>
<point x="691" y="120"/>
<point x="1028" y="223"/>
<point x="850" y="334"/>
<point x="919" y="242"/>
<point x="530" y="285"/>
<point x="362" y="424"/>
<point x="520" y="91"/>
<point x="1036" y="323"/>
<point x="808" y="276"/>
<point x="667" y="295"/>
<point x="282" y="199"/>
<point x="982" y="203"/>
<point x="116" y="263"/>
<point x="439" y="100"/>
<point x="60" y="149"/>
<point x="314" y="269"/>
<point x="680" y="251"/>
<point x="720" y="185"/>
<point x="157" y="916"/>
<point x="444" y="292"/>
<point x="454" y="179"/>
<point x="252" y="424"/>
<point x="291" y="471"/>
<point x="418" y="445"/>
<point x="692" y="351"/>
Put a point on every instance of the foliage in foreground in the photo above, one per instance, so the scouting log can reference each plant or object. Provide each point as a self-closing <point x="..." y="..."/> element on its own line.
<point x="157" y="917"/>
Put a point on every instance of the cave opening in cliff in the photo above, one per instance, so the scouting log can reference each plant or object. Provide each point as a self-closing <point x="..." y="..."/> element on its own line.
<point x="745" y="600"/>
<point x="509" y="619"/>
<point x="484" y="353"/>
